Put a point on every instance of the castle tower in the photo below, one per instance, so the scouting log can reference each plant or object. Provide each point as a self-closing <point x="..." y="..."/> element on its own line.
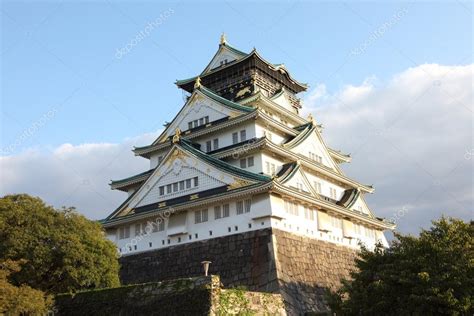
<point x="240" y="179"/>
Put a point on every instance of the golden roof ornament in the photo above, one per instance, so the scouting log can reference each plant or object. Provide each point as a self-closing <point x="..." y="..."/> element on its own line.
<point x="197" y="84"/>
<point x="311" y="118"/>
<point x="177" y="136"/>
<point x="223" y="39"/>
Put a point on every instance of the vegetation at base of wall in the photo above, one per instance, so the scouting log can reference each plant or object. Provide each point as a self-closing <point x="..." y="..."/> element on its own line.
<point x="60" y="250"/>
<point x="432" y="274"/>
<point x="236" y="301"/>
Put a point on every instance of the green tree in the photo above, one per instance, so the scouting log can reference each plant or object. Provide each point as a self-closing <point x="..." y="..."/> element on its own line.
<point x="432" y="274"/>
<point x="20" y="300"/>
<point x="64" y="251"/>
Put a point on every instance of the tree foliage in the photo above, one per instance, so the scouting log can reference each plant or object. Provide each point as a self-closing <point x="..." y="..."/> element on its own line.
<point x="432" y="274"/>
<point x="63" y="251"/>
<point x="20" y="300"/>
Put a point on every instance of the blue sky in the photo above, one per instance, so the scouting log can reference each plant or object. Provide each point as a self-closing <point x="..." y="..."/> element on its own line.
<point x="51" y="49"/>
<point x="391" y="82"/>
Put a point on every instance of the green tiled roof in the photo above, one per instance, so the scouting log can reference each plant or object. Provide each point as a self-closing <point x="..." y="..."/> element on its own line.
<point x="222" y="100"/>
<point x="131" y="178"/>
<point x="305" y="131"/>
<point x="187" y="145"/>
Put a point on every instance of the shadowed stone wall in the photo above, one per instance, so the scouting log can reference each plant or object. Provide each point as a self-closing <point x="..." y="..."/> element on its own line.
<point x="266" y="260"/>
<point x="241" y="259"/>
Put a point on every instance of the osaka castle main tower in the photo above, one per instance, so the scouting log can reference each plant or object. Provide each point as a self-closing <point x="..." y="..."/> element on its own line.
<point x="239" y="178"/>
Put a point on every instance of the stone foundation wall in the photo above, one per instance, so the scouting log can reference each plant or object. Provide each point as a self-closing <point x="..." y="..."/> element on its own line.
<point x="306" y="268"/>
<point x="190" y="296"/>
<point x="240" y="260"/>
<point x="272" y="261"/>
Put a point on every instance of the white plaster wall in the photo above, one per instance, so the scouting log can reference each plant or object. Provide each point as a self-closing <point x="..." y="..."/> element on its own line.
<point x="225" y="137"/>
<point x="219" y="227"/>
<point x="325" y="185"/>
<point x="312" y="144"/>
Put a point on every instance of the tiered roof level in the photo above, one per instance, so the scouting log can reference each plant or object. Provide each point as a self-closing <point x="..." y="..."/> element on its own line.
<point x="237" y="157"/>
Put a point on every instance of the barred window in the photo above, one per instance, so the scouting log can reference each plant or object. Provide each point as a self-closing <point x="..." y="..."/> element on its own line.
<point x="225" y="209"/>
<point x="217" y="212"/>
<point x="235" y="138"/>
<point x="240" y="207"/>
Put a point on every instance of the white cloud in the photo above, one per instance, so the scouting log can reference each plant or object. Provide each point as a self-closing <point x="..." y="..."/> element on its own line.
<point x="409" y="137"/>
<point x="74" y="175"/>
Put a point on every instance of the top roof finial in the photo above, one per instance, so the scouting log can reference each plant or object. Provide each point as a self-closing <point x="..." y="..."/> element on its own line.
<point x="223" y="39"/>
<point x="197" y="84"/>
<point x="311" y="118"/>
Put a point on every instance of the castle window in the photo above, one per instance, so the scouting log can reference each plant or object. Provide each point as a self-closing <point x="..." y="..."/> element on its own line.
<point x="243" y="135"/>
<point x="188" y="183"/>
<point x="336" y="222"/>
<point x="333" y="193"/>
<point x="243" y="206"/>
<point x="181" y="185"/>
<point x="217" y="212"/>
<point x="168" y="188"/>
<point x="243" y="163"/>
<point x="196" y="236"/>
<point x="236" y="228"/>
<point x="138" y="229"/>
<point x="291" y="208"/>
<point x="210" y="233"/>
<point x="299" y="185"/>
<point x="248" y="205"/>
<point x="225" y="209"/>
<point x="208" y="146"/>
<point x="190" y="237"/>
<point x="317" y="186"/>
<point x="315" y="157"/>
<point x="162" y="190"/>
<point x="162" y="242"/>
<point x="270" y="168"/>
<point x="250" y="225"/>
<point x="124" y="232"/>
<point x="240" y="207"/>
<point x="250" y="162"/>
<point x="158" y="225"/>
<point x="200" y="216"/>
<point x="150" y="244"/>
<point x="175" y="187"/>
<point x="216" y="143"/>
<point x="179" y="239"/>
<point x="235" y="138"/>
<point x="196" y="181"/>
<point x="198" y="122"/>
<point x="229" y="229"/>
